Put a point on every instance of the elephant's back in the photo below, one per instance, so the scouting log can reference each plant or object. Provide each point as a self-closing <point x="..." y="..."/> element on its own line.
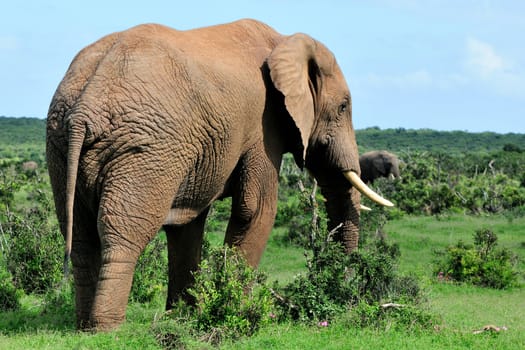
<point x="135" y="78"/>
<point x="240" y="45"/>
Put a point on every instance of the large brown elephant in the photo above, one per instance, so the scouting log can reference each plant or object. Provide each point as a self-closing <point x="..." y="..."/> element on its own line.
<point x="375" y="164"/>
<point x="151" y="125"/>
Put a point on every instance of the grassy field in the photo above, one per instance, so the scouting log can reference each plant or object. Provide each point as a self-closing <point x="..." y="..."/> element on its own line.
<point x="461" y="308"/>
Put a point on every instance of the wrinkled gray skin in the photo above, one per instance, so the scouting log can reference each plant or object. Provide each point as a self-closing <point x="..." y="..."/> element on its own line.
<point x="377" y="164"/>
<point x="153" y="118"/>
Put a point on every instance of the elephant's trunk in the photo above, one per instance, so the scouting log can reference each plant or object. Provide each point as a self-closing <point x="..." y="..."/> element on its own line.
<point x="342" y="208"/>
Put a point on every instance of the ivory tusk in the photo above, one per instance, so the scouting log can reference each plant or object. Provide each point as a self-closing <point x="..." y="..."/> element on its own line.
<point x="364" y="208"/>
<point x="365" y="190"/>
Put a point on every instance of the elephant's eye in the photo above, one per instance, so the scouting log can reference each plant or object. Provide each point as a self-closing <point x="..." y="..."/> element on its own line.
<point x="343" y="107"/>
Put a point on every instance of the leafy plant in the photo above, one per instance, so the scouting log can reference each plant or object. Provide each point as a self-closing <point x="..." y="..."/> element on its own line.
<point x="35" y="248"/>
<point x="230" y="295"/>
<point x="9" y="294"/>
<point x="391" y="316"/>
<point x="151" y="271"/>
<point x="231" y="301"/>
<point x="480" y="264"/>
<point x="8" y="188"/>
<point x="61" y="301"/>
<point x="335" y="281"/>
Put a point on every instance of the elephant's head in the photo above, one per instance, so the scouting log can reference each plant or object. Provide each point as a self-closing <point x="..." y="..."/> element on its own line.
<point x="318" y="100"/>
<point x="375" y="164"/>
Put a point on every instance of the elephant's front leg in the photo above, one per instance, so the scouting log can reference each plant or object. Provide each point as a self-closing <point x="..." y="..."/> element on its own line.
<point x="254" y="204"/>
<point x="184" y="255"/>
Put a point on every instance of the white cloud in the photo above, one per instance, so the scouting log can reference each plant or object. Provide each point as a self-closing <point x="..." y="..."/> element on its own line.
<point x="416" y="79"/>
<point x="482" y="60"/>
<point x="499" y="74"/>
<point x="483" y="67"/>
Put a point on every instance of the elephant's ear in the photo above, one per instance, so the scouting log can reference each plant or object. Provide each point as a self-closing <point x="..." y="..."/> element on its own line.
<point x="294" y="72"/>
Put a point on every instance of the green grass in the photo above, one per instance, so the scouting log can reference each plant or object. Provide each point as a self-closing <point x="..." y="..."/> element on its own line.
<point x="340" y="336"/>
<point x="280" y="261"/>
<point x="462" y="308"/>
<point x="418" y="237"/>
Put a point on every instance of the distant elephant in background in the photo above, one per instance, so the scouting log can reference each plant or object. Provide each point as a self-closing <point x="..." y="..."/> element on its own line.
<point x="151" y="125"/>
<point x="376" y="164"/>
<point x="29" y="166"/>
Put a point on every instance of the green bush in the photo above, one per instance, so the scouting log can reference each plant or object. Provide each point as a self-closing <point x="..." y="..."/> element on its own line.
<point x="335" y="280"/>
<point x="231" y="301"/>
<point x="371" y="223"/>
<point x="391" y="316"/>
<point x="8" y="187"/>
<point x="35" y="247"/>
<point x="176" y="330"/>
<point x="32" y="247"/>
<point x="480" y="264"/>
<point x="294" y="215"/>
<point x="61" y="301"/>
<point x="230" y="295"/>
<point x="9" y="294"/>
<point x="151" y="271"/>
<point x="434" y="183"/>
<point x="325" y="290"/>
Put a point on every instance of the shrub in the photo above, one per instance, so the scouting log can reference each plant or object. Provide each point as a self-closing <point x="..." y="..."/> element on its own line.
<point x="295" y="214"/>
<point x="434" y="183"/>
<point x="230" y="295"/>
<point x="175" y="330"/>
<point x="151" y="271"/>
<point x="8" y="187"/>
<point x="480" y="264"/>
<point x="35" y="247"/>
<point x="391" y="316"/>
<point x="371" y="223"/>
<point x="323" y="291"/>
<point x="231" y="301"/>
<point x="335" y="280"/>
<point x="9" y="294"/>
<point x="60" y="301"/>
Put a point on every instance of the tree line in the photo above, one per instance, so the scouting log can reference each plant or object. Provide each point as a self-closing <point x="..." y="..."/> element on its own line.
<point x="16" y="131"/>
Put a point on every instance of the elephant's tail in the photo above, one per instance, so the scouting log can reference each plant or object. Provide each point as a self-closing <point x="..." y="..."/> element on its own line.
<point x="76" y="140"/>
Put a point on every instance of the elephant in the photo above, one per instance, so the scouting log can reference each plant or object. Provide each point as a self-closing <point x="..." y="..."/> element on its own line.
<point x="151" y="125"/>
<point x="29" y="166"/>
<point x="375" y="164"/>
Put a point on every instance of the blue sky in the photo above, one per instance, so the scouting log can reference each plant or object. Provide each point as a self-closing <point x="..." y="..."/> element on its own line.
<point x="444" y="65"/>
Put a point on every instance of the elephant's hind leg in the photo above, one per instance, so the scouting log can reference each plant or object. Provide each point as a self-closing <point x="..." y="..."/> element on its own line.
<point x="132" y="210"/>
<point x="85" y="255"/>
<point x="85" y="258"/>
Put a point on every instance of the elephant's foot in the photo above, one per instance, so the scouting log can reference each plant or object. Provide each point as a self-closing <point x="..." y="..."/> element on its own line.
<point x="99" y="323"/>
<point x="104" y="324"/>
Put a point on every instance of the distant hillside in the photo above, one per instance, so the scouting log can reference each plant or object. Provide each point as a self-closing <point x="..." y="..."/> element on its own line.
<point x="15" y="131"/>
<point x="430" y="140"/>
